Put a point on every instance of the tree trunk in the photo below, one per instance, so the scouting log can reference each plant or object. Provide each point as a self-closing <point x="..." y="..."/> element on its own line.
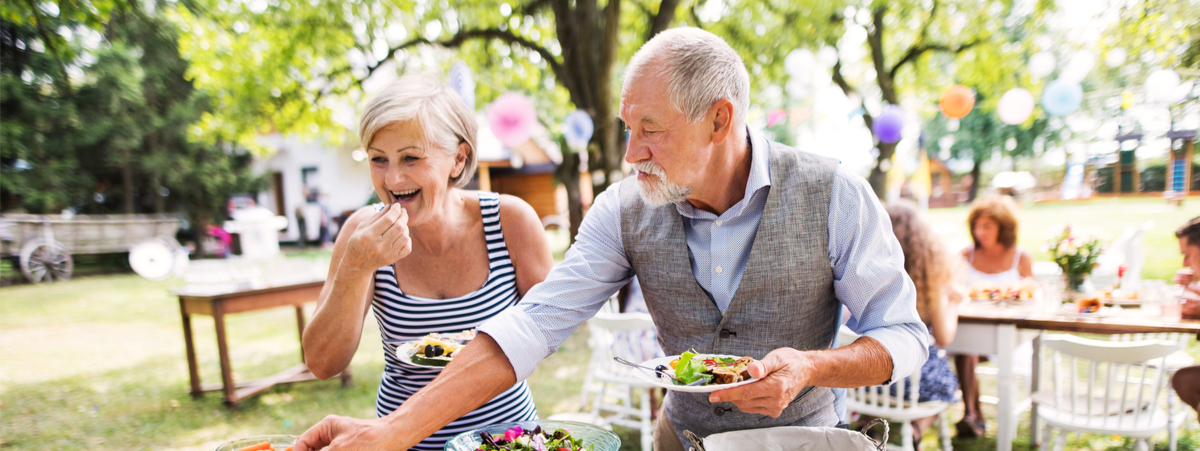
<point x="568" y="174"/>
<point x="878" y="177"/>
<point x="974" y="190"/>
<point x="127" y="178"/>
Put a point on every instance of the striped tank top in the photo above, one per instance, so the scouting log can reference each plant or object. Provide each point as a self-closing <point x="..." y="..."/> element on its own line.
<point x="403" y="317"/>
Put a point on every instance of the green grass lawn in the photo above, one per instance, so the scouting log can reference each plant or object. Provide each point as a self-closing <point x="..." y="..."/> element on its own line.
<point x="97" y="362"/>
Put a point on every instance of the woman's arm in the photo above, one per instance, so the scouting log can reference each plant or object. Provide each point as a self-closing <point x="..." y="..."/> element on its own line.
<point x="1025" y="264"/>
<point x="944" y="317"/>
<point x="367" y="241"/>
<point x="526" y="241"/>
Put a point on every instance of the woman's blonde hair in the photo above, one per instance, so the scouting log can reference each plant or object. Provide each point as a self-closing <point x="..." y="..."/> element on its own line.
<point x="443" y="117"/>
<point x="1001" y="209"/>
<point x="925" y="259"/>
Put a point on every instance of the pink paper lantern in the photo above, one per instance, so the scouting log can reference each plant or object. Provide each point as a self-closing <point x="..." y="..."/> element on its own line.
<point x="512" y="118"/>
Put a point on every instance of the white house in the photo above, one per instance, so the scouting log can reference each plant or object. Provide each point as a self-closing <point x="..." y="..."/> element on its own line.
<point x="301" y="167"/>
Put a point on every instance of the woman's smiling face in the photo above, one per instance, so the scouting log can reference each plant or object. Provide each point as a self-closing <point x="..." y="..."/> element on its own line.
<point x="406" y="170"/>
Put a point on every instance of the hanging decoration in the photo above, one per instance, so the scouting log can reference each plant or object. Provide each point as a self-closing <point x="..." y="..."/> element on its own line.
<point x="889" y="124"/>
<point x="512" y="118"/>
<point x="463" y="83"/>
<point x="578" y="128"/>
<point x="1041" y="64"/>
<point x="1062" y="98"/>
<point x="957" y="101"/>
<point x="1161" y="86"/>
<point x="1015" y="106"/>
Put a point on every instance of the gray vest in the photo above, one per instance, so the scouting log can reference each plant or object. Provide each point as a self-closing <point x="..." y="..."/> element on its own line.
<point x="785" y="298"/>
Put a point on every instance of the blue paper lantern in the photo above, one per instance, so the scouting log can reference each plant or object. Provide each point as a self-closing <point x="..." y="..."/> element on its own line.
<point x="578" y="128"/>
<point x="1062" y="97"/>
<point x="463" y="83"/>
<point x="889" y="124"/>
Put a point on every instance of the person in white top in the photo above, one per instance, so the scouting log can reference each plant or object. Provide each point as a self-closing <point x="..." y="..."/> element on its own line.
<point x="1186" y="381"/>
<point x="994" y="259"/>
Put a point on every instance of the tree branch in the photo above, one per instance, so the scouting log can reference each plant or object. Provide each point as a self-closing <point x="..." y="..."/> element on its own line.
<point x="465" y="35"/>
<point x="63" y="83"/>
<point x="532" y="7"/>
<point x="916" y="51"/>
<point x="847" y="89"/>
<point x="875" y="40"/>
<point x="664" y="18"/>
<point x="695" y="17"/>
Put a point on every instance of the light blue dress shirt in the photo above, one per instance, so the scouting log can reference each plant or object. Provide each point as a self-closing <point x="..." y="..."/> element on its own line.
<point x="867" y="264"/>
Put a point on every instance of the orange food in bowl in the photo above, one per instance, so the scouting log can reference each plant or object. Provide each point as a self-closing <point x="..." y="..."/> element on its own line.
<point x="1089" y="305"/>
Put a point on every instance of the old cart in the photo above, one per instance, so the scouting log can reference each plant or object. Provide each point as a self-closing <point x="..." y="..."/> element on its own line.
<point x="42" y="245"/>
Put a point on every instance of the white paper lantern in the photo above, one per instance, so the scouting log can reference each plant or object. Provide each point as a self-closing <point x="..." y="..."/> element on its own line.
<point x="1161" y="85"/>
<point x="1015" y="106"/>
<point x="1041" y="64"/>
<point x="1077" y="69"/>
<point x="1116" y="57"/>
<point x="798" y="62"/>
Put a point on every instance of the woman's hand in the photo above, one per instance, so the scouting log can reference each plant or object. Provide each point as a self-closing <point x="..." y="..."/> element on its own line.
<point x="379" y="241"/>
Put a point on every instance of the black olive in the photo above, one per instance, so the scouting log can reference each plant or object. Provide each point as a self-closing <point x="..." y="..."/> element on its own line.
<point x="438" y="350"/>
<point x="537" y="430"/>
<point x="487" y="438"/>
<point x="429" y="351"/>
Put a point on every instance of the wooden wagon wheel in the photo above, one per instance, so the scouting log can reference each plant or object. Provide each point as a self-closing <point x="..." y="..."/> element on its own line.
<point x="43" y="261"/>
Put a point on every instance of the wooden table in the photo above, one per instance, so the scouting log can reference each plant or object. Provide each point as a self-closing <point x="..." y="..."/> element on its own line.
<point x="226" y="299"/>
<point x="992" y="329"/>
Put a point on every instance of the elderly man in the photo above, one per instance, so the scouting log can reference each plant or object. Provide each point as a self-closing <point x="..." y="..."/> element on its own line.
<point x="742" y="246"/>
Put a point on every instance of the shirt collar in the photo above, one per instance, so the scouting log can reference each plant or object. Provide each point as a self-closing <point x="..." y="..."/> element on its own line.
<point x="760" y="176"/>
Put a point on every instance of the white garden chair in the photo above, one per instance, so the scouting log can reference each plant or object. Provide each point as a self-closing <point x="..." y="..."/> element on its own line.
<point x="612" y="386"/>
<point x="877" y="401"/>
<point x="1131" y="381"/>
<point x="1175" y="361"/>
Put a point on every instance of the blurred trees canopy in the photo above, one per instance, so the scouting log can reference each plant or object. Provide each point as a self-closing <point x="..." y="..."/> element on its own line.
<point x="304" y="66"/>
<point x="913" y="48"/>
<point x="98" y="112"/>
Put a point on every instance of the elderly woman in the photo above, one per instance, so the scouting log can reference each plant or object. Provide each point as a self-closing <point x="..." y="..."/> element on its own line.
<point x="432" y="257"/>
<point x="994" y="259"/>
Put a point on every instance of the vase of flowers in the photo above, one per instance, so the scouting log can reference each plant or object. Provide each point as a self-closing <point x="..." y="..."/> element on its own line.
<point x="1076" y="253"/>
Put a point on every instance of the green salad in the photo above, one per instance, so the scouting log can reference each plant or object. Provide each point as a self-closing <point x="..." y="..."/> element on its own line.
<point x="706" y="369"/>
<point x="519" y="439"/>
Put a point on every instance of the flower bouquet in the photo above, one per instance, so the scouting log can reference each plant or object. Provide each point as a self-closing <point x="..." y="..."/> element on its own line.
<point x="1077" y="253"/>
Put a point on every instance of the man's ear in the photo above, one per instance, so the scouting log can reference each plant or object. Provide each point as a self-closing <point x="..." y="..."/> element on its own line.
<point x="722" y="120"/>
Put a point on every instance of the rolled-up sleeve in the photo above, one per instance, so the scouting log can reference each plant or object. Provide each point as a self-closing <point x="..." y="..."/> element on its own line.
<point x="869" y="277"/>
<point x="594" y="268"/>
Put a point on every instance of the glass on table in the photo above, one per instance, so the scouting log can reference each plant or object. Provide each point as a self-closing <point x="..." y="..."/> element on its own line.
<point x="1153" y="293"/>
<point x="1172" y="304"/>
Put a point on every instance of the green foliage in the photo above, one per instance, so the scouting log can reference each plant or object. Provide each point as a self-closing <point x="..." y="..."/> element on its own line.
<point x="114" y="135"/>
<point x="292" y="66"/>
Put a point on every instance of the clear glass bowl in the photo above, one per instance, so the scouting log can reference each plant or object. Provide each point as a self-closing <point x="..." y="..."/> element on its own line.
<point x="600" y="439"/>
<point x="278" y="442"/>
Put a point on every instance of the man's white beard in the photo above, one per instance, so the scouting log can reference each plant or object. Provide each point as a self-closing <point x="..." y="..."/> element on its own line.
<point x="660" y="192"/>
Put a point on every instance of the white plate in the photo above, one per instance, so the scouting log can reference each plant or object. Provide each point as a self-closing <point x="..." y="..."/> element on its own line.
<point x="1070" y="310"/>
<point x="665" y="382"/>
<point x="402" y="354"/>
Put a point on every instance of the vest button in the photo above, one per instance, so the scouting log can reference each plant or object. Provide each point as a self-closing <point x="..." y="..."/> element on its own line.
<point x="724" y="333"/>
<point x="720" y="411"/>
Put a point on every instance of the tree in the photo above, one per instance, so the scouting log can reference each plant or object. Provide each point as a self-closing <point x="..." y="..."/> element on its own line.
<point x="913" y="48"/>
<point x="289" y="65"/>
<point x="115" y="136"/>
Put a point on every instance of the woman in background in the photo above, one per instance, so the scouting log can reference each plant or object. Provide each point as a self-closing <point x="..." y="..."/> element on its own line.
<point x="931" y="269"/>
<point x="994" y="259"/>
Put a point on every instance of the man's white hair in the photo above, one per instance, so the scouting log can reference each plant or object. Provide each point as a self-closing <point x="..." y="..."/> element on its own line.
<point x="700" y="68"/>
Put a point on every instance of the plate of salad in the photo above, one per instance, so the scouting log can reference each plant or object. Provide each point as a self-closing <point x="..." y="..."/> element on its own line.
<point x="542" y="435"/>
<point x="704" y="372"/>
